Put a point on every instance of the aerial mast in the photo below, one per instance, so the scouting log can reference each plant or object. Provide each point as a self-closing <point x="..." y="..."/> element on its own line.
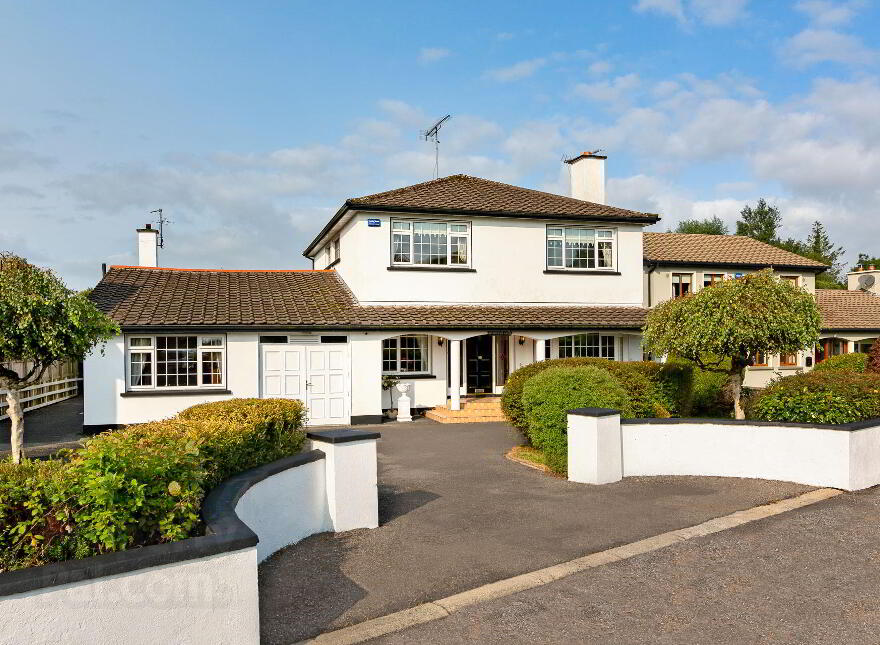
<point x="433" y="134"/>
<point x="161" y="222"/>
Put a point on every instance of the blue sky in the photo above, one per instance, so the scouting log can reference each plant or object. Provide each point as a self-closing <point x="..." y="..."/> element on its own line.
<point x="250" y="123"/>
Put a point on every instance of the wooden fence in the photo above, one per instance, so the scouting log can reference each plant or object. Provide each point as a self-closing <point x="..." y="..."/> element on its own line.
<point x="61" y="381"/>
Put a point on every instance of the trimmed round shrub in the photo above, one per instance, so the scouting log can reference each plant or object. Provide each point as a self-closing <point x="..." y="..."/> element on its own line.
<point x="670" y="390"/>
<point x="832" y="396"/>
<point x="852" y="362"/>
<point x="549" y="395"/>
<point x="141" y="485"/>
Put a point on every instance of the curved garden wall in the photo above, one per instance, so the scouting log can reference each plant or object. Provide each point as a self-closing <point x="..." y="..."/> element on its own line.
<point x="202" y="589"/>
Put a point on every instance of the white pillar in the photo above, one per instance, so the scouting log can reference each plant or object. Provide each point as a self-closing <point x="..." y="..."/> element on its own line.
<point x="351" y="477"/>
<point x="595" y="446"/>
<point x="455" y="374"/>
<point x="540" y="349"/>
<point x="404" y="414"/>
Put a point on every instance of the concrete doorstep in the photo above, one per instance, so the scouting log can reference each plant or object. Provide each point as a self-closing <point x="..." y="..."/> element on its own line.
<point x="443" y="607"/>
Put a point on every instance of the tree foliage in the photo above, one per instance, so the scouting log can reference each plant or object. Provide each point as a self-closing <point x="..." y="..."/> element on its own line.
<point x="865" y="260"/>
<point x="734" y="320"/>
<point x="874" y="358"/>
<point x="761" y="222"/>
<point x="710" y="226"/>
<point x="41" y="322"/>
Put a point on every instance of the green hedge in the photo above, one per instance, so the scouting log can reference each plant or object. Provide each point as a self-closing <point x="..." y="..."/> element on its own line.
<point x="141" y="485"/>
<point x="853" y="362"/>
<point x="832" y="396"/>
<point x="670" y="391"/>
<point x="550" y="394"/>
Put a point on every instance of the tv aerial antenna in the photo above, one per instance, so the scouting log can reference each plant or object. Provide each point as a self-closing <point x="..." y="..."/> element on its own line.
<point x="161" y="221"/>
<point x="433" y="134"/>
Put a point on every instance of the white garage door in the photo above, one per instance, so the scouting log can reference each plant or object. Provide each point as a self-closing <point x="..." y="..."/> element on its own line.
<point x="317" y="375"/>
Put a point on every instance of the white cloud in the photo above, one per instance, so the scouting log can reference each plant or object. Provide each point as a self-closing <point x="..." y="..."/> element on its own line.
<point x="827" y="14"/>
<point x="517" y="71"/>
<point x="433" y="54"/>
<point x="504" y="35"/>
<point x="812" y="46"/>
<point x="719" y="12"/>
<point x="666" y="7"/>
<point x="599" y="67"/>
<point x="616" y="92"/>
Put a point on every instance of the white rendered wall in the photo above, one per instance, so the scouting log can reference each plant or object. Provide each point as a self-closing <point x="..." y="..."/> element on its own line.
<point x="661" y="279"/>
<point x="424" y="392"/>
<point x="509" y="258"/>
<point x="103" y="381"/>
<point x="351" y="483"/>
<point x="208" y="600"/>
<point x="366" y="374"/>
<point x="287" y="507"/>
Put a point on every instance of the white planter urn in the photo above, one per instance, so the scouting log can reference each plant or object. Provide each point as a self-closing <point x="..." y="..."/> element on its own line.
<point x="404" y="412"/>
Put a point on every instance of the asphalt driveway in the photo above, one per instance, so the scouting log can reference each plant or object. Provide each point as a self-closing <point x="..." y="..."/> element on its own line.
<point x="455" y="514"/>
<point x="806" y="576"/>
<point x="49" y="428"/>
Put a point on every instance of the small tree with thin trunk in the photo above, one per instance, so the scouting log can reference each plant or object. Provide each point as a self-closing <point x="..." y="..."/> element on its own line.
<point x="42" y="322"/>
<point x="735" y="320"/>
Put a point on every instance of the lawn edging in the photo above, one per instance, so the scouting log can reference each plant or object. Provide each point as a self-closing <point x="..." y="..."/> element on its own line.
<point x="201" y="589"/>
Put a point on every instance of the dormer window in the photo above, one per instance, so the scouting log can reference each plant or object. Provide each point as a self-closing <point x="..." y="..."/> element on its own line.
<point x="420" y="243"/>
<point x="576" y="247"/>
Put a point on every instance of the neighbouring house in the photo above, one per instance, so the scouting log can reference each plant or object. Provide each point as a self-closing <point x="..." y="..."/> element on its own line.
<point x="448" y="285"/>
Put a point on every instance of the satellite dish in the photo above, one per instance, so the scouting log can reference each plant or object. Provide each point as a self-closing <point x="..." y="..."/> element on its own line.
<point x="866" y="281"/>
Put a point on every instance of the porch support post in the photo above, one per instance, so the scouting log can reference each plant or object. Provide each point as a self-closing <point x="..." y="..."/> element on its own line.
<point x="540" y="349"/>
<point x="455" y="374"/>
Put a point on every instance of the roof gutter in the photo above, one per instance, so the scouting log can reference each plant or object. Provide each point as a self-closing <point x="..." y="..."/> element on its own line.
<point x="735" y="265"/>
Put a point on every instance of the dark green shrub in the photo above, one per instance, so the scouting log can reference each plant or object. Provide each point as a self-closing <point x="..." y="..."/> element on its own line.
<point x="143" y="484"/>
<point x="549" y="395"/>
<point x="832" y="396"/>
<point x="671" y="384"/>
<point x="852" y="362"/>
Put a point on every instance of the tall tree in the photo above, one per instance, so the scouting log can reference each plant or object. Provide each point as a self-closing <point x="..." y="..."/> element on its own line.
<point x="820" y="247"/>
<point x="761" y="222"/>
<point x="42" y="322"/>
<point x="710" y="226"/>
<point x="734" y="320"/>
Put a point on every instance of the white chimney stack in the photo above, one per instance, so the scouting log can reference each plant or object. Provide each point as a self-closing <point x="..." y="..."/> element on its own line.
<point x="864" y="279"/>
<point x="148" y="247"/>
<point x="587" y="172"/>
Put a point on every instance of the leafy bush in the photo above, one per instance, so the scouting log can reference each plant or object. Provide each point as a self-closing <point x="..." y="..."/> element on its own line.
<point x="852" y="362"/>
<point x="832" y="396"/>
<point x="671" y="385"/>
<point x="550" y="394"/>
<point x="140" y="485"/>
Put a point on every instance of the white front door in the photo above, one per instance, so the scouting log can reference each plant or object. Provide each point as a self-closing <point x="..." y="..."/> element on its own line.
<point x="284" y="372"/>
<point x="317" y="375"/>
<point x="327" y="391"/>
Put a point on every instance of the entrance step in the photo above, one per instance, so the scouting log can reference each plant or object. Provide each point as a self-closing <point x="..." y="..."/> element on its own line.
<point x="476" y="410"/>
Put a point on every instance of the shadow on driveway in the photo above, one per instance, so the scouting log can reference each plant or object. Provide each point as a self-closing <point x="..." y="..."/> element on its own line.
<point x="455" y="514"/>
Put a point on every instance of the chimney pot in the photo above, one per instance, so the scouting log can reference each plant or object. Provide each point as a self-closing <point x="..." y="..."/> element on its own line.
<point x="871" y="267"/>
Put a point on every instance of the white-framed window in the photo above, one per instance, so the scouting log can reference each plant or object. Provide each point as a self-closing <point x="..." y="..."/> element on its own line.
<point x="681" y="284"/>
<point x="335" y="255"/>
<point x="590" y="345"/>
<point x="575" y="247"/>
<point x="406" y="355"/>
<point x="426" y="243"/>
<point x="178" y="361"/>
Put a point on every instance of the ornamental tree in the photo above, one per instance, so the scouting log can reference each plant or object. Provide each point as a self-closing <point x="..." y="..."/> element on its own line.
<point x="42" y="322"/>
<point x="734" y="320"/>
<point x="874" y="358"/>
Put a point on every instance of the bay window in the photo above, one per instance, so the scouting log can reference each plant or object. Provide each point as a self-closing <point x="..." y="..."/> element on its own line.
<point x="417" y="242"/>
<point x="589" y="345"/>
<point x="405" y="355"/>
<point x="176" y="362"/>
<point x="574" y="247"/>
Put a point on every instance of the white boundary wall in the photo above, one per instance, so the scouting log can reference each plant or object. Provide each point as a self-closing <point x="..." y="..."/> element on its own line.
<point x="603" y="450"/>
<point x="209" y="599"/>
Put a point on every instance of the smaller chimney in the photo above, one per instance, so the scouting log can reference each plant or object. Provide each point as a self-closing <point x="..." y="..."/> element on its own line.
<point x="862" y="279"/>
<point x="587" y="172"/>
<point x="148" y="246"/>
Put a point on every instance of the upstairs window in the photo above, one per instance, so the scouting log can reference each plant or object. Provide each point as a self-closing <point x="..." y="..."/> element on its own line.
<point x="590" y="345"/>
<point x="681" y="284"/>
<point x="573" y="247"/>
<point x="405" y="355"/>
<point x="421" y="243"/>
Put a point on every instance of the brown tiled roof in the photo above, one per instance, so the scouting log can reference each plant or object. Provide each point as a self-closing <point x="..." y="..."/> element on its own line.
<point x="698" y="248"/>
<point x="468" y="195"/>
<point x="473" y="194"/>
<point x="150" y="297"/>
<point x="842" y="309"/>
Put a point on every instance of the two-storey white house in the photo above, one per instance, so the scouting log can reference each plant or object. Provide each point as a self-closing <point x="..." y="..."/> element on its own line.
<point x="448" y="285"/>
